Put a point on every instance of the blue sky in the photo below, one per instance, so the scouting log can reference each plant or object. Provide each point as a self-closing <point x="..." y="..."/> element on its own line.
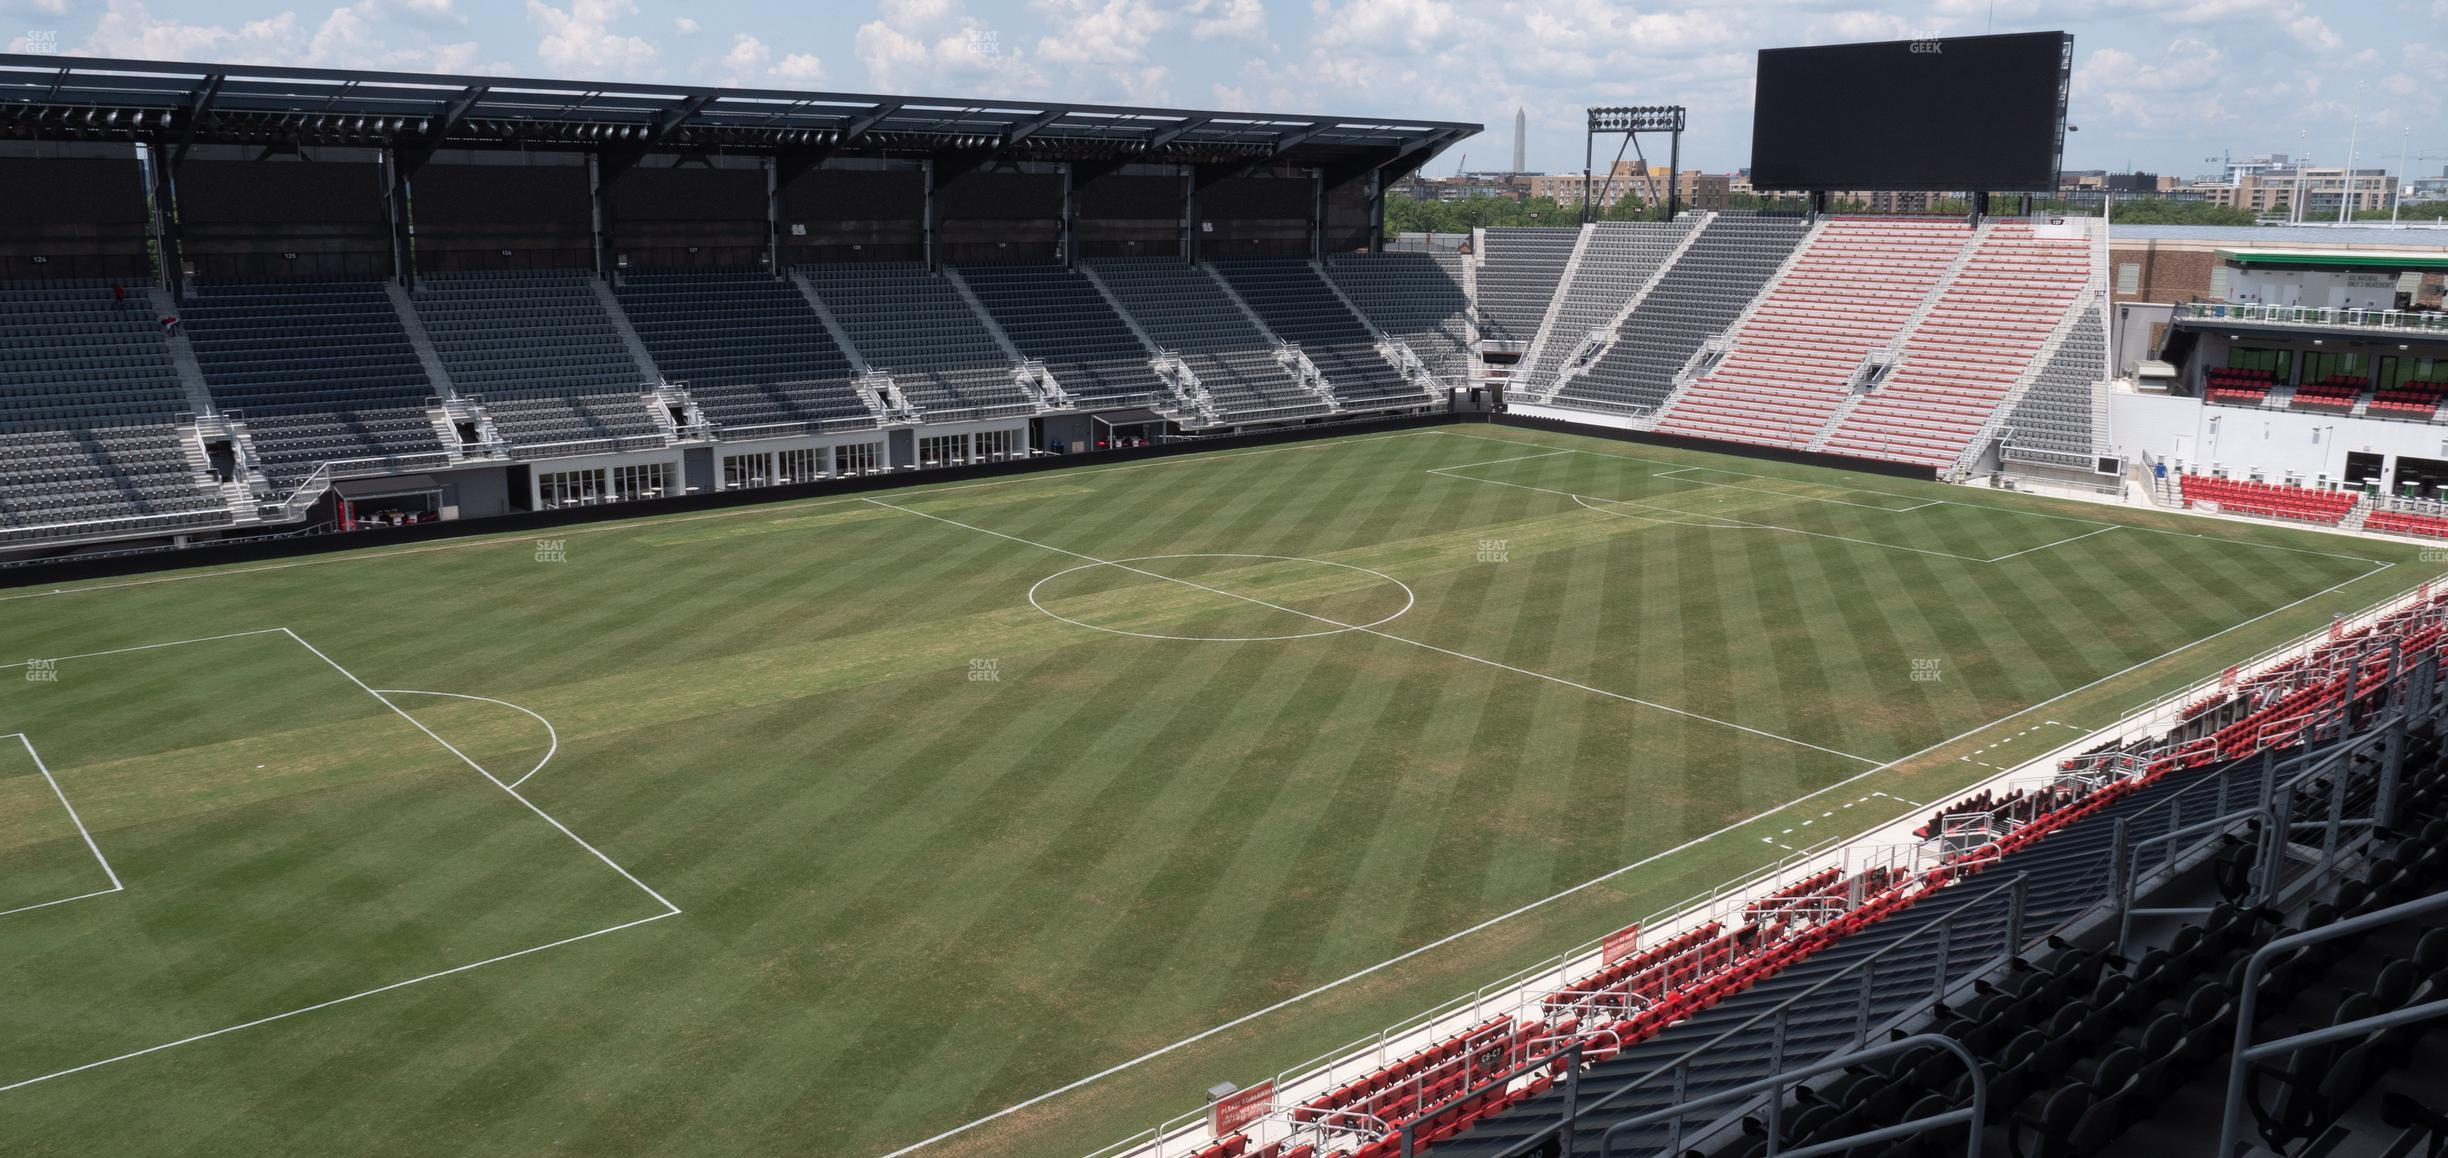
<point x="2161" y="84"/>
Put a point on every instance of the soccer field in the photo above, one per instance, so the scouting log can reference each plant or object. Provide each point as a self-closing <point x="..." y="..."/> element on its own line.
<point x="830" y="826"/>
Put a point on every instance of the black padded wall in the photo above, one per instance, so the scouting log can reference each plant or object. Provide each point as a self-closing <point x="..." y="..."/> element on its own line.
<point x="74" y="217"/>
<point x="472" y="217"/>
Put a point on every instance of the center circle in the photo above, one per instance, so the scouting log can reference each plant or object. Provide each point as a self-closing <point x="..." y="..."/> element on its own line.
<point x="1323" y="625"/>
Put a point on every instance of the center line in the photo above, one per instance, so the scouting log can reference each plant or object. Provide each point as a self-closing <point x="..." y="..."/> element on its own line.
<point x="1353" y="627"/>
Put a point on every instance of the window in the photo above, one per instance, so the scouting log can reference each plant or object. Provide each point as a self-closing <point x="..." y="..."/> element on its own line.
<point x="943" y="450"/>
<point x="998" y="444"/>
<point x="2277" y="362"/>
<point x="2218" y="283"/>
<point x="858" y="458"/>
<point x="2129" y="277"/>
<point x="644" y="481"/>
<point x="798" y="466"/>
<point x="2400" y="370"/>
<point x="2321" y="365"/>
<point x="747" y="470"/>
<point x="570" y="488"/>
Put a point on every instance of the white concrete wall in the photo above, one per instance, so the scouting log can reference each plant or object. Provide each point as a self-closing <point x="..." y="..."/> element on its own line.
<point x="2281" y="445"/>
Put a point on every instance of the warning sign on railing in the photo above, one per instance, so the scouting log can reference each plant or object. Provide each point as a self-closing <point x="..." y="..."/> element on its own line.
<point x="1619" y="944"/>
<point x="1242" y="1107"/>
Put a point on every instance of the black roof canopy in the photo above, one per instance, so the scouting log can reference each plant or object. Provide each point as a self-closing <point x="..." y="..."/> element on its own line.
<point x="92" y="98"/>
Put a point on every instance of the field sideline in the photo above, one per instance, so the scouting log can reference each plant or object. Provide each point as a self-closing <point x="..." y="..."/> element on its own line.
<point x="839" y="825"/>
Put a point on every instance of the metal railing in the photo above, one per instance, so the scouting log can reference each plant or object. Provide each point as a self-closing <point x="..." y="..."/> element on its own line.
<point x="2401" y="321"/>
<point x="2245" y="1053"/>
<point x="1774" y="1085"/>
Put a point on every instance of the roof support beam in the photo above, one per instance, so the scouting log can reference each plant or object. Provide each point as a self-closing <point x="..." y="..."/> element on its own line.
<point x="1025" y="129"/>
<point x="197" y="109"/>
<point x="868" y="120"/>
<point x="1168" y="136"/>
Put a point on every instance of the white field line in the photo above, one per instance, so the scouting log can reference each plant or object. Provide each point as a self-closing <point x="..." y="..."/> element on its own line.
<point x="1366" y="630"/>
<point x="480" y="770"/>
<point x="1593" y="882"/>
<point x="116" y="885"/>
<point x="1784" y="494"/>
<point x="149" y="646"/>
<point x="228" y="1029"/>
<point x="550" y="732"/>
<point x="507" y="539"/>
<point x="669" y="909"/>
<point x="1961" y="503"/>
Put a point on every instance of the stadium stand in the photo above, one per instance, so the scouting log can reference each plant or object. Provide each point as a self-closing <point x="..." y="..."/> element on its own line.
<point x="2237" y="387"/>
<point x="539" y="351"/>
<point x="1293" y="299"/>
<point x="2267" y="500"/>
<point x="1960" y="363"/>
<point x="1518" y="274"/>
<point x="2407" y="523"/>
<point x="913" y="325"/>
<point x="1718" y="275"/>
<point x="1617" y="262"/>
<point x="1852" y="293"/>
<point x="2060" y="421"/>
<point x="89" y="419"/>
<point x="1415" y="298"/>
<point x="322" y="372"/>
<point x="1054" y="315"/>
<point x="1185" y="310"/>
<point x="1820" y="963"/>
<point x="750" y="351"/>
<point x="2418" y="401"/>
<point x="2335" y="394"/>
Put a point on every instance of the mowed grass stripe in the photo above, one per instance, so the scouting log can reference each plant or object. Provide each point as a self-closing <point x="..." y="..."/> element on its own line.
<point x="756" y="722"/>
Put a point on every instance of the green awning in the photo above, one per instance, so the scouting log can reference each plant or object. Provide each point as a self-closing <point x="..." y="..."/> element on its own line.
<point x="2330" y="259"/>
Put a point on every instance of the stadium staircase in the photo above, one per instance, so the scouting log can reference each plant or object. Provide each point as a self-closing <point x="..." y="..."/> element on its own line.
<point x="1837" y="948"/>
<point x="1617" y="263"/>
<point x="1187" y="312"/>
<point x="1034" y="378"/>
<point x="756" y="359"/>
<point x="1798" y="358"/>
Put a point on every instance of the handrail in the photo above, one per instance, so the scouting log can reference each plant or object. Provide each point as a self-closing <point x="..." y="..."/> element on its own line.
<point x="2410" y="320"/>
<point x="1972" y="1116"/>
<point x="2245" y="1053"/>
<point x="2012" y="890"/>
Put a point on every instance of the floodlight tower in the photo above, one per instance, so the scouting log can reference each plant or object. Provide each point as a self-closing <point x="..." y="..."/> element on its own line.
<point x="1632" y="121"/>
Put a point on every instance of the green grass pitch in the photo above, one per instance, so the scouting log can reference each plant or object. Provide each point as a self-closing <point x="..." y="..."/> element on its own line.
<point x="860" y="819"/>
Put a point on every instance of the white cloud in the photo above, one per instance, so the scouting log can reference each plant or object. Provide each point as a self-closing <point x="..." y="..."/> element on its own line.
<point x="684" y="26"/>
<point x="359" y="35"/>
<point x="2313" y="32"/>
<point x="936" y="44"/>
<point x="579" y="39"/>
<point x="1228" y="20"/>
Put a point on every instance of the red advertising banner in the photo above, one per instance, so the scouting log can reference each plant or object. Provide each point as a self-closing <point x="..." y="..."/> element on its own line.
<point x="1242" y="1107"/>
<point x="1620" y="944"/>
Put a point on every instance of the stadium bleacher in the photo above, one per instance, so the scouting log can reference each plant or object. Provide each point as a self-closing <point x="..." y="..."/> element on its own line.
<point x="1718" y="275"/>
<point x="1054" y="315"/>
<point x="2335" y="394"/>
<point x="1617" y="261"/>
<point x="1417" y="298"/>
<point x="2267" y="500"/>
<point x="2418" y="401"/>
<point x="914" y="326"/>
<point x="323" y="372"/>
<point x="2237" y="386"/>
<point x="1852" y="292"/>
<point x="1297" y="305"/>
<point x="89" y="407"/>
<point x="1185" y="310"/>
<point x="1518" y="276"/>
<point x="1977" y="341"/>
<point x="539" y="350"/>
<point x="745" y="343"/>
